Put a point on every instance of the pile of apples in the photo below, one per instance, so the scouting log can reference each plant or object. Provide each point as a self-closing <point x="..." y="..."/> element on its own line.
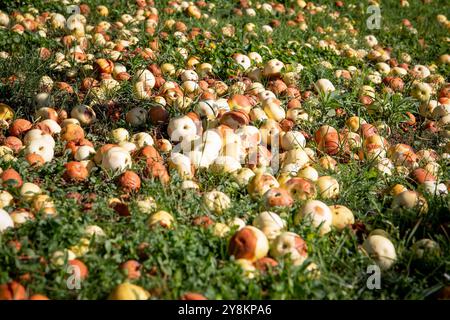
<point x="249" y="127"/>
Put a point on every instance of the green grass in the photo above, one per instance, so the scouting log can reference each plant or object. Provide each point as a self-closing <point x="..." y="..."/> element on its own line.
<point x="190" y="258"/>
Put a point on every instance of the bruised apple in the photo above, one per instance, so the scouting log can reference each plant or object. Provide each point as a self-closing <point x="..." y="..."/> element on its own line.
<point x="381" y="250"/>
<point x="318" y="212"/>
<point x="249" y="243"/>
<point x="128" y="291"/>
<point x="342" y="216"/>
<point x="291" y="245"/>
<point x="269" y="223"/>
<point x="162" y="218"/>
